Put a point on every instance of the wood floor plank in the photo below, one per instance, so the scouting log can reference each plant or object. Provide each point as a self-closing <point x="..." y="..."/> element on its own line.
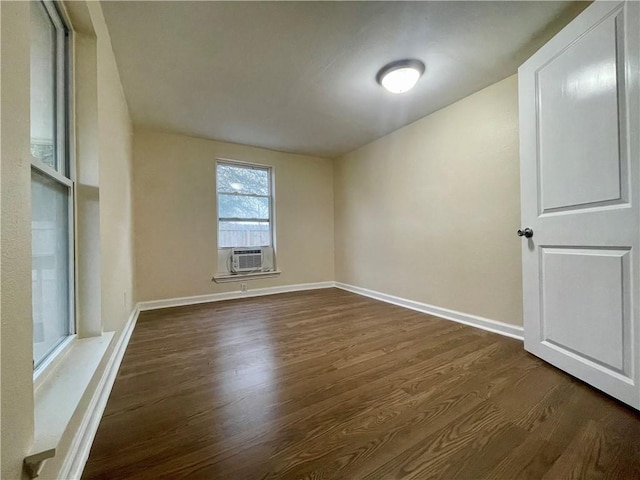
<point x="382" y="418"/>
<point x="322" y="411"/>
<point x="397" y="424"/>
<point x="329" y="384"/>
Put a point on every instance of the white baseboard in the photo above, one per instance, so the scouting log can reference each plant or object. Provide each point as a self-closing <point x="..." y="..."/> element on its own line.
<point x="78" y="453"/>
<point x="217" y="297"/>
<point x="494" y="326"/>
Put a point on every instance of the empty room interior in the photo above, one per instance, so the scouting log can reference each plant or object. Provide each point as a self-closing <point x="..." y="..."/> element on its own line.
<point x="320" y="240"/>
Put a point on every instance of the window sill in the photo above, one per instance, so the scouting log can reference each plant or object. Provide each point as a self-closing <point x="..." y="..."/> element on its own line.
<point x="59" y="394"/>
<point x="241" y="277"/>
<point x="52" y="361"/>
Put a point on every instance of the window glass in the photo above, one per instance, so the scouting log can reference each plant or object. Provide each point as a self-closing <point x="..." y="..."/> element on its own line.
<point x="43" y="86"/>
<point x="50" y="263"/>
<point x="244" y="205"/>
<point x="244" y="234"/>
<point x="51" y="185"/>
<point x="244" y="180"/>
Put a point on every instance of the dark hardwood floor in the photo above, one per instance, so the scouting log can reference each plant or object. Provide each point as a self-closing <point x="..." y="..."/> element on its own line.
<point x="327" y="384"/>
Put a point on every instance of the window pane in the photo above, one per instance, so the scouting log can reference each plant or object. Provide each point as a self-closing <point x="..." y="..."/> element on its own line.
<point x="232" y="179"/>
<point x="238" y="206"/>
<point x="43" y="86"/>
<point x="243" y="234"/>
<point x="50" y="264"/>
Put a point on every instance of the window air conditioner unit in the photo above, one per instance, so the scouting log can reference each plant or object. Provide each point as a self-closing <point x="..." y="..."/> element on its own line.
<point x="246" y="260"/>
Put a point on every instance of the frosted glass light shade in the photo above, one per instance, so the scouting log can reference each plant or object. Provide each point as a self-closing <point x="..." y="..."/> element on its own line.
<point x="400" y="76"/>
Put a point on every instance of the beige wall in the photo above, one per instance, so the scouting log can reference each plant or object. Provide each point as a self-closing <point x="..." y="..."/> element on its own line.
<point x="116" y="197"/>
<point x="429" y="212"/>
<point x="16" y="347"/>
<point x="175" y="215"/>
<point x="115" y="160"/>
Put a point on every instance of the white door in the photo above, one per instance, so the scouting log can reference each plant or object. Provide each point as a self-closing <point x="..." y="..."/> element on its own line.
<point x="579" y="154"/>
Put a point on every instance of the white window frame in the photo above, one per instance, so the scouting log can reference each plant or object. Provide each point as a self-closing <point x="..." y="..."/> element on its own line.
<point x="248" y="165"/>
<point x="64" y="173"/>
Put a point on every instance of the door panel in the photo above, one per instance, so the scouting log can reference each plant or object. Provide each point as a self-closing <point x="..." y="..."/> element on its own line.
<point x="578" y="167"/>
<point x="579" y="153"/>
<point x="586" y="303"/>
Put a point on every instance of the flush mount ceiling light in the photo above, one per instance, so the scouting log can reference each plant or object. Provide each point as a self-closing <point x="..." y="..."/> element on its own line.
<point x="400" y="76"/>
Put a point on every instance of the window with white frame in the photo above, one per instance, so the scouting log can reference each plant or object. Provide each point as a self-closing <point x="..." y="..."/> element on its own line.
<point x="51" y="183"/>
<point x="244" y="205"/>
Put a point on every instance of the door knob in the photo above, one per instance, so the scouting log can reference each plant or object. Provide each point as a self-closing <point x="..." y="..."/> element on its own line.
<point x="527" y="232"/>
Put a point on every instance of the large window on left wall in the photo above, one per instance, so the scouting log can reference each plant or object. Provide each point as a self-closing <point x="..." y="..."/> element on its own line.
<point x="51" y="183"/>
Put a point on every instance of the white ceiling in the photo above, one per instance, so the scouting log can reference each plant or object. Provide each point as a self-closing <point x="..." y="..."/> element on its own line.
<point x="300" y="76"/>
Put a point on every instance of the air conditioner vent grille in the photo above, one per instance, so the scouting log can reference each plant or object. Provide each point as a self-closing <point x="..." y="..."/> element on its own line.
<point x="246" y="260"/>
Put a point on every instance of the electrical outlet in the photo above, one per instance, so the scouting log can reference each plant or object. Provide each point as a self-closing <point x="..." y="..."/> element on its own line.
<point x="243" y="287"/>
